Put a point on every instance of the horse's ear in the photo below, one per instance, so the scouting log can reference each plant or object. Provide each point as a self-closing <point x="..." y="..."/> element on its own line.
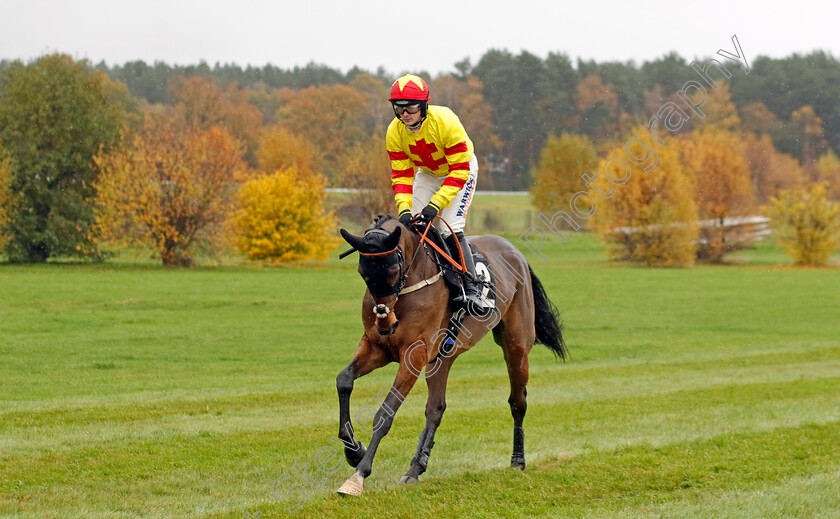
<point x="393" y="239"/>
<point x="356" y="242"/>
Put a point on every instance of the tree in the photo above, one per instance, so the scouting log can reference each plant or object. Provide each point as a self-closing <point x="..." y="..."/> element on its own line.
<point x="598" y="108"/>
<point x="5" y="196"/>
<point x="366" y="170"/>
<point x="810" y="128"/>
<point x="828" y="169"/>
<point x="171" y="188"/>
<point x="464" y="97"/>
<point x="513" y="86"/>
<point x="280" y="149"/>
<point x="55" y="114"/>
<point x="714" y="159"/>
<point x="558" y="176"/>
<point x="806" y="224"/>
<point x="719" y="111"/>
<point x="202" y="104"/>
<point x="770" y="170"/>
<point x="334" y="118"/>
<point x="282" y="218"/>
<point x="651" y="216"/>
<point x="556" y="105"/>
<point x="756" y="118"/>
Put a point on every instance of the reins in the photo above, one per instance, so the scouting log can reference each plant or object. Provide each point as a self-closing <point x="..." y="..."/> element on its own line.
<point x="424" y="239"/>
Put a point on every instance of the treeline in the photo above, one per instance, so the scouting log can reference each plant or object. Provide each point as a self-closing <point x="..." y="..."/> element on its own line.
<point x="181" y="143"/>
<point x="530" y="98"/>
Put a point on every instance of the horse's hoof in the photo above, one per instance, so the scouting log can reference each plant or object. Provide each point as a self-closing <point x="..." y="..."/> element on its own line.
<point x="353" y="486"/>
<point x="409" y="480"/>
<point x="517" y="463"/>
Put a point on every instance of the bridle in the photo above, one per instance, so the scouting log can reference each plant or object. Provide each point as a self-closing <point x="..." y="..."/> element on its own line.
<point x="386" y="310"/>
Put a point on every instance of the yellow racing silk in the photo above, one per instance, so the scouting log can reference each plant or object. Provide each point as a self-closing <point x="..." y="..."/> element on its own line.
<point x="441" y="147"/>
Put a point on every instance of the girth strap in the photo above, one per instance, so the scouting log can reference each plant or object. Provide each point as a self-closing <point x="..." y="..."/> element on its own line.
<point x="424" y="283"/>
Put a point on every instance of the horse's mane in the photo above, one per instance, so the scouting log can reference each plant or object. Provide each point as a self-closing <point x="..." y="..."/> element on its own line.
<point x="380" y="219"/>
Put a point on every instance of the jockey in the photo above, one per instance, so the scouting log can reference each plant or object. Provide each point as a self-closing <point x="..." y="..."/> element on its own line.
<point x="433" y="140"/>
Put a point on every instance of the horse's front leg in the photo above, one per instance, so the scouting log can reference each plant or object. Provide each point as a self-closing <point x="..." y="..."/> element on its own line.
<point x="435" y="406"/>
<point x="384" y="418"/>
<point x="366" y="359"/>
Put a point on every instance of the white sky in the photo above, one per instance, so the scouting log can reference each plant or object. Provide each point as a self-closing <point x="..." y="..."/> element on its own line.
<point x="423" y="35"/>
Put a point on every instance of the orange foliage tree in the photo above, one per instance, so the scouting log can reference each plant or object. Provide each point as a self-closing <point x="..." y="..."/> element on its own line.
<point x="714" y="159"/>
<point x="172" y="188"/>
<point x="201" y="103"/>
<point x="334" y="118"/>
<point x="757" y="118"/>
<point x="279" y="149"/>
<point x="651" y="216"/>
<point x="281" y="217"/>
<point x="806" y="224"/>
<point x="558" y="175"/>
<point x="770" y="170"/>
<point x="367" y="170"/>
<point x="598" y="107"/>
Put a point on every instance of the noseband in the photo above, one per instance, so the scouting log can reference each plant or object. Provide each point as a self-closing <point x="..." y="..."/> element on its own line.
<point x="386" y="310"/>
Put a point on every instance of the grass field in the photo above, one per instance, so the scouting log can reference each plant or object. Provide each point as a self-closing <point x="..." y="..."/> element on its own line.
<point x="134" y="391"/>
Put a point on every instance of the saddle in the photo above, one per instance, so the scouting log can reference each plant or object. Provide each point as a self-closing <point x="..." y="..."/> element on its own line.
<point x="451" y="275"/>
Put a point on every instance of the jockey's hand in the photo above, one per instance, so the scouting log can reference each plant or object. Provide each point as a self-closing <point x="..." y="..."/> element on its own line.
<point x="420" y="221"/>
<point x="429" y="212"/>
<point x="405" y="218"/>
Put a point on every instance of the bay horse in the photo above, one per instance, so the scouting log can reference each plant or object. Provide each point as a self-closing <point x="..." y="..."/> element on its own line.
<point x="408" y="319"/>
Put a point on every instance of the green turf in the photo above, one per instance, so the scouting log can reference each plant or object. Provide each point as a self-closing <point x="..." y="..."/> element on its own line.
<point x="137" y="391"/>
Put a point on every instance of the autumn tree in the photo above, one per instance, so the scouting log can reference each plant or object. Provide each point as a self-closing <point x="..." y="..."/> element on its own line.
<point x="806" y="224"/>
<point x="376" y="92"/>
<point x="366" y="170"/>
<point x="810" y="127"/>
<point x="650" y="216"/>
<point x="55" y="114"/>
<point x="597" y="105"/>
<point x="714" y="159"/>
<point x="558" y="175"/>
<point x="758" y="119"/>
<point x="281" y="218"/>
<point x="201" y="103"/>
<point x="828" y="169"/>
<point x="718" y="109"/>
<point x="170" y="187"/>
<point x="279" y="149"/>
<point x="770" y="170"/>
<point x="332" y="117"/>
<point x="465" y="98"/>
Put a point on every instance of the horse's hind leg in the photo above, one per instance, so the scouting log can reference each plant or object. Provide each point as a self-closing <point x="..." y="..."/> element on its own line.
<point x="516" y="343"/>
<point x="435" y="406"/>
<point x="517" y="364"/>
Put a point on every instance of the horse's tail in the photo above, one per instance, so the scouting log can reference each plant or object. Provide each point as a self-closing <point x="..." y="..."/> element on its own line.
<point x="547" y="320"/>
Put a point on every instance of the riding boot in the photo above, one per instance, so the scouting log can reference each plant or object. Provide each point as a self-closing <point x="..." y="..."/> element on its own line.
<point x="471" y="298"/>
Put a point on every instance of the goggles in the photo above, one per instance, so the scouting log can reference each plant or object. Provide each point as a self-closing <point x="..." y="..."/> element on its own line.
<point x="412" y="108"/>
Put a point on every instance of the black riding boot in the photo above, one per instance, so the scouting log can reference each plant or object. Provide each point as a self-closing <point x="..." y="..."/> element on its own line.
<point x="471" y="298"/>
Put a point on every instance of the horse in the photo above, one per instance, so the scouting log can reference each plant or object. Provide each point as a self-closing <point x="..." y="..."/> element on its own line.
<point x="408" y="318"/>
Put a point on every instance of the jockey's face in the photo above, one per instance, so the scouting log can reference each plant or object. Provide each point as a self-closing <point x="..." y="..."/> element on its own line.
<point x="410" y="119"/>
<point x="410" y="114"/>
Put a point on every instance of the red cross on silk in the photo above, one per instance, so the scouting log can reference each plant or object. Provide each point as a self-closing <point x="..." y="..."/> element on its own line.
<point x="424" y="150"/>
